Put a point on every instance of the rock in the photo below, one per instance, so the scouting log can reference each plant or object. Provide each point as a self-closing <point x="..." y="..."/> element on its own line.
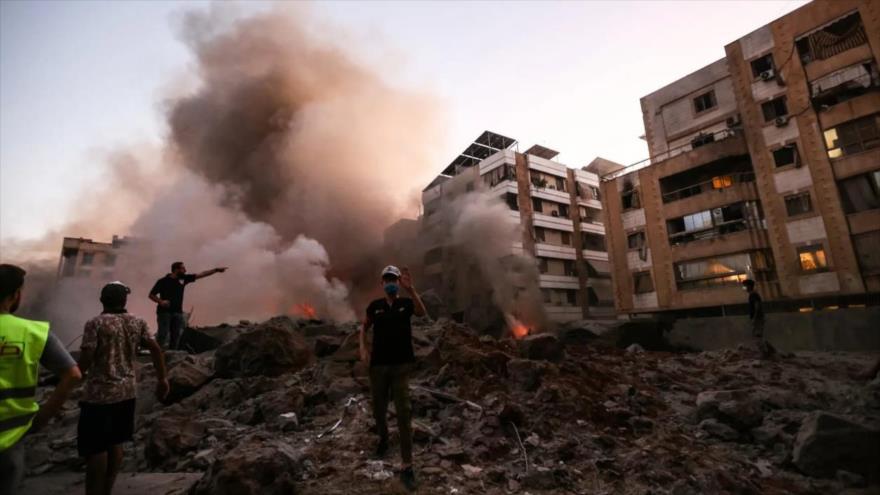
<point x="526" y="374"/>
<point x="827" y="443"/>
<point x="634" y="349"/>
<point x="269" y="349"/>
<point x="719" y="430"/>
<point x="342" y="388"/>
<point x="736" y="408"/>
<point x="171" y="436"/>
<point x="187" y="377"/>
<point x="541" y="346"/>
<point x="256" y="466"/>
<point x="850" y="479"/>
<point x="326" y="345"/>
<point x="323" y="329"/>
<point x="274" y="404"/>
<point x="472" y="472"/>
<point x="540" y="478"/>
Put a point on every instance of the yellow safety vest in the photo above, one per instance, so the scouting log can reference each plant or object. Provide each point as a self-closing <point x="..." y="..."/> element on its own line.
<point x="21" y="346"/>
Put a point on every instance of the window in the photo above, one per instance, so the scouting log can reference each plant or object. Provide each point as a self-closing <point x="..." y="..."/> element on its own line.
<point x="109" y="259"/>
<point x="774" y="108"/>
<point x="761" y="65"/>
<point x="563" y="210"/>
<point x="698" y="221"/>
<point x="702" y="139"/>
<point x="860" y="193"/>
<point x="853" y="136"/>
<point x="867" y="247"/>
<point x="537" y="180"/>
<point x="705" y="102"/>
<point x="718" y="271"/>
<point x="571" y="297"/>
<point x="500" y="174"/>
<point x="510" y="199"/>
<point x="593" y="242"/>
<point x="722" y="181"/>
<point x="642" y="282"/>
<point x="812" y="258"/>
<point x="787" y="155"/>
<point x="798" y="204"/>
<point x="594" y="191"/>
<point x="560" y="184"/>
<point x="569" y="268"/>
<point x="543" y="265"/>
<point x="837" y="37"/>
<point x="566" y="238"/>
<point x="548" y="295"/>
<point x="537" y="205"/>
<point x="88" y="259"/>
<point x="598" y="269"/>
<point x="539" y="234"/>
<point x="630" y="197"/>
<point x="590" y="215"/>
<point x="636" y="240"/>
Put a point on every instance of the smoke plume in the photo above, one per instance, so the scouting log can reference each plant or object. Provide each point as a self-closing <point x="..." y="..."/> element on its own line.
<point x="285" y="162"/>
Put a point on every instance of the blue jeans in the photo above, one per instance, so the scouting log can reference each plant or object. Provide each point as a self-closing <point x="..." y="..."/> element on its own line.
<point x="169" y="323"/>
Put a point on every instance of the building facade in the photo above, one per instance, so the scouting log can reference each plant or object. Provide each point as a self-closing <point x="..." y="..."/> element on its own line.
<point x="559" y="210"/>
<point x="85" y="258"/>
<point x="764" y="165"/>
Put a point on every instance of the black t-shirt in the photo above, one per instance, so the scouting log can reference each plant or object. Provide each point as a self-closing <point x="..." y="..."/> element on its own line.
<point x="756" y="309"/>
<point x="171" y="289"/>
<point x="392" y="332"/>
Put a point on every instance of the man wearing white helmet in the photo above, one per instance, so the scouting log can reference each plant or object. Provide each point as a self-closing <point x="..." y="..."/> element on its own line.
<point x="391" y="360"/>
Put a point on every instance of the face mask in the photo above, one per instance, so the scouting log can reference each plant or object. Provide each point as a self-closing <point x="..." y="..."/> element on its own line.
<point x="391" y="289"/>
<point x="745" y="288"/>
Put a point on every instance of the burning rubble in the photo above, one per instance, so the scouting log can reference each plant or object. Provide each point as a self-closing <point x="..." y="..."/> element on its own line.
<point x="283" y="407"/>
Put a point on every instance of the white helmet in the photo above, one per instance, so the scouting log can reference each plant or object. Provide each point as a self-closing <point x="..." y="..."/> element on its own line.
<point x="391" y="270"/>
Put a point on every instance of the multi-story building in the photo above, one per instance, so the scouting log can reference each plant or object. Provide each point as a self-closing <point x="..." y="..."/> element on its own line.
<point x="559" y="210"/>
<point x="764" y="164"/>
<point x="86" y="258"/>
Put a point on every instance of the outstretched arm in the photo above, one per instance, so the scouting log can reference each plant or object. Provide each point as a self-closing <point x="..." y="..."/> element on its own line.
<point x="208" y="273"/>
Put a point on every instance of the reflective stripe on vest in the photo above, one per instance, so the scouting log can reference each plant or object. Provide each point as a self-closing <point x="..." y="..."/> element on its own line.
<point x="21" y="346"/>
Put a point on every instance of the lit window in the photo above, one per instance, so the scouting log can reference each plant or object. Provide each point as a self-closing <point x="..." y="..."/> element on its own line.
<point x="812" y="258"/>
<point x="722" y="182"/>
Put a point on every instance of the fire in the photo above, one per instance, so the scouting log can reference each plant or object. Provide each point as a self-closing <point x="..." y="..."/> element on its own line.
<point x="517" y="328"/>
<point x="305" y="310"/>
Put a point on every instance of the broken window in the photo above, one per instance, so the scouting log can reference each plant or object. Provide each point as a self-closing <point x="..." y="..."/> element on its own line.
<point x="774" y="109"/>
<point x="812" y="258"/>
<point x="593" y="242"/>
<point x="798" y="204"/>
<point x="566" y="238"/>
<point x="590" y="215"/>
<point x="836" y="37"/>
<point x="87" y="259"/>
<point x="844" y="84"/>
<point x="867" y="247"/>
<point x="510" y="199"/>
<point x="705" y="101"/>
<point x="630" y="197"/>
<point x="762" y="67"/>
<point x="636" y="240"/>
<point x="642" y="282"/>
<point x="499" y="175"/>
<point x="539" y="234"/>
<point x="853" y="137"/>
<point x="537" y="205"/>
<point x="860" y="193"/>
<point x="787" y="155"/>
<point x="721" y="270"/>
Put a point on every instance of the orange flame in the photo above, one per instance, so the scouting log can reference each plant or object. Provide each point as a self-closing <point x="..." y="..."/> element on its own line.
<point x="517" y="328"/>
<point x="305" y="310"/>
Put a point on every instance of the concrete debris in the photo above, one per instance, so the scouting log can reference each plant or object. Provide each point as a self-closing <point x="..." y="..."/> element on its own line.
<point x="283" y="407"/>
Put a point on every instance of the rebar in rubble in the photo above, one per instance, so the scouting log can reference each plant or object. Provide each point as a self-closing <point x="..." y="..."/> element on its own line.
<point x="348" y="403"/>
<point x="521" y="446"/>
<point x="449" y="397"/>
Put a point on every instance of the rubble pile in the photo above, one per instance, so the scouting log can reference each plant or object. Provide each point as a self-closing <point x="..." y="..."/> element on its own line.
<point x="283" y="407"/>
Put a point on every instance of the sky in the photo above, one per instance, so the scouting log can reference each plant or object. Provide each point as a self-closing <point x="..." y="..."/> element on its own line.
<point x="80" y="78"/>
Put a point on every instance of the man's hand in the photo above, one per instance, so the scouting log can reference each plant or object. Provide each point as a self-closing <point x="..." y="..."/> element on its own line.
<point x="406" y="279"/>
<point x="162" y="389"/>
<point x="164" y="303"/>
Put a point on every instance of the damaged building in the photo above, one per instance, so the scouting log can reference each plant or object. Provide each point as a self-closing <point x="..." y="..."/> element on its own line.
<point x="85" y="258"/>
<point x="763" y="165"/>
<point x="559" y="210"/>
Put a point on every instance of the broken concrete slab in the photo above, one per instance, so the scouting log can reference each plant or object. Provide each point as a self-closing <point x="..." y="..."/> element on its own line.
<point x="827" y="443"/>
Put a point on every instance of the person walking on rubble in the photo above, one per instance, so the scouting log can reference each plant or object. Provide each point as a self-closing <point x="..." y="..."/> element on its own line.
<point x="756" y="317"/>
<point x="391" y="360"/>
<point x="167" y="293"/>
<point x="24" y="346"/>
<point x="108" y="352"/>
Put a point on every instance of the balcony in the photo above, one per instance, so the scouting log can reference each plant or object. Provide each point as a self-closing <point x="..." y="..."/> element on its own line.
<point x="714" y="223"/>
<point x="714" y="177"/>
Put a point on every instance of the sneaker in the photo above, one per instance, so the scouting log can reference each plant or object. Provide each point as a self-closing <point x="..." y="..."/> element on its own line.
<point x="408" y="478"/>
<point x="382" y="448"/>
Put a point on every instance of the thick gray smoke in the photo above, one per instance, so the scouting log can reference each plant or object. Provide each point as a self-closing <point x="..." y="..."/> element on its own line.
<point x="286" y="161"/>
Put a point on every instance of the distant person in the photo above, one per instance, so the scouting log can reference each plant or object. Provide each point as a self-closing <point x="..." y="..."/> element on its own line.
<point x="167" y="293"/>
<point x="391" y="361"/>
<point x="106" y="420"/>
<point x="756" y="316"/>
<point x="24" y="346"/>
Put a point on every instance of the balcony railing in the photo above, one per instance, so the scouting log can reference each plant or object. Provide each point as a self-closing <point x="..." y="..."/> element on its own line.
<point x="718" y="183"/>
<point x="717" y="230"/>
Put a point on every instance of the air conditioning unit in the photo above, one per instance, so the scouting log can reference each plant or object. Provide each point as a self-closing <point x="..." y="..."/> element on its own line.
<point x="781" y="121"/>
<point x="768" y="75"/>
<point x="733" y="121"/>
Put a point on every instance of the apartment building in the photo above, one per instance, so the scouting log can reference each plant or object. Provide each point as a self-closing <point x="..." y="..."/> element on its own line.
<point x="86" y="258"/>
<point x="764" y="165"/>
<point x="559" y="210"/>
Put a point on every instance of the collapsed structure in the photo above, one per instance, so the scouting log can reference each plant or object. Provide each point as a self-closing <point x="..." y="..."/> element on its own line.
<point x="764" y="165"/>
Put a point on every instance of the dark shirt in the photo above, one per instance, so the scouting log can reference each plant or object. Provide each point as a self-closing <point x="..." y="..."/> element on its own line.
<point x="756" y="307"/>
<point x="392" y="331"/>
<point x="171" y="289"/>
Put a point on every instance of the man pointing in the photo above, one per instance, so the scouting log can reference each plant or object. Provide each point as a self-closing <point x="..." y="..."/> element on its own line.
<point x="167" y="293"/>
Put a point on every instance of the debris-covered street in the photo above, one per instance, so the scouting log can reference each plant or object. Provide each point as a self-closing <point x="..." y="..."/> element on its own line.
<point x="285" y="409"/>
